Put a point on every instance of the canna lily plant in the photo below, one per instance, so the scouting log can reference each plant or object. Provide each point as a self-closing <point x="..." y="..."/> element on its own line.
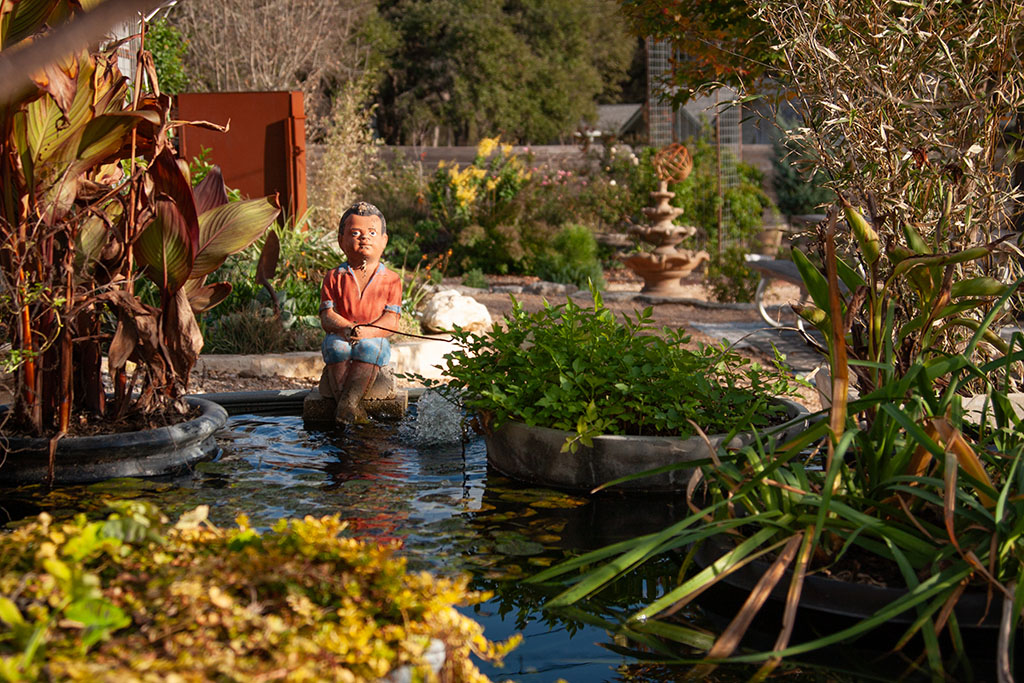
<point x="94" y="198"/>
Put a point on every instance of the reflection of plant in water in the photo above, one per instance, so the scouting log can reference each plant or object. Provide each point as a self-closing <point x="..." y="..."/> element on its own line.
<point x="521" y="529"/>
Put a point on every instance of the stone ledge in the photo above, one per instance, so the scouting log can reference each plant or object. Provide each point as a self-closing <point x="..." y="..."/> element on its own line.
<point x="421" y="356"/>
<point x="319" y="411"/>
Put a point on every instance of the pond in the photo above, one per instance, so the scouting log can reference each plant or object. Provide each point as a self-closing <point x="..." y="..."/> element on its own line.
<point x="450" y="513"/>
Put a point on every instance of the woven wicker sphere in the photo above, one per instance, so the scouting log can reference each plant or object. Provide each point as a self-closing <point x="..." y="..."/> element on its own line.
<point x="673" y="163"/>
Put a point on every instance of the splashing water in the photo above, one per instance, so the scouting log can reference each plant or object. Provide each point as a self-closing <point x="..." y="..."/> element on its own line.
<point x="438" y="420"/>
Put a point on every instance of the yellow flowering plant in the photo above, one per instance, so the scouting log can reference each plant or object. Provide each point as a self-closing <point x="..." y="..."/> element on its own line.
<point x="136" y="598"/>
<point x="476" y="204"/>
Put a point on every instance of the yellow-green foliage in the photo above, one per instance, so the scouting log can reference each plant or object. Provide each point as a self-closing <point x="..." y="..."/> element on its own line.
<point x="134" y="598"/>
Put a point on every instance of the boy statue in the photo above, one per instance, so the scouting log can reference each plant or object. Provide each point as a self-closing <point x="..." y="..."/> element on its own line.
<point x="356" y="294"/>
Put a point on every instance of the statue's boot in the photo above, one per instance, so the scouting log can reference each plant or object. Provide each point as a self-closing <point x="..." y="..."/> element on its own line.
<point x="358" y="380"/>
<point x="332" y="377"/>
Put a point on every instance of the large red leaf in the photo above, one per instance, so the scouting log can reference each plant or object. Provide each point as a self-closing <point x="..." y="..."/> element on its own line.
<point x="165" y="248"/>
<point x="168" y="180"/>
<point x="269" y="256"/>
<point x="204" y="297"/>
<point x="210" y="192"/>
<point x="230" y="228"/>
<point x="267" y="266"/>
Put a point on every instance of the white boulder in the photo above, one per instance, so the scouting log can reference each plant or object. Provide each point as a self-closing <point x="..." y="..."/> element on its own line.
<point x="448" y="308"/>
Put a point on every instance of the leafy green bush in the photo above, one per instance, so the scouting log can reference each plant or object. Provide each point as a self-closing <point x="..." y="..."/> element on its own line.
<point x="254" y="329"/>
<point x="572" y="258"/>
<point x="579" y="369"/>
<point x="728" y="277"/>
<point x="475" y="278"/>
<point x="500" y="213"/>
<point x="136" y="598"/>
<point x="588" y="194"/>
<point x="168" y="48"/>
<point x="399" y="187"/>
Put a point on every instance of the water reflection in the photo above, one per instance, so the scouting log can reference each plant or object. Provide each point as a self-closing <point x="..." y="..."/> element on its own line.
<point x="450" y="513"/>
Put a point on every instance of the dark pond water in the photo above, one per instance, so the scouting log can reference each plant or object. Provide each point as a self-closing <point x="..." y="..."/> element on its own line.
<point x="452" y="515"/>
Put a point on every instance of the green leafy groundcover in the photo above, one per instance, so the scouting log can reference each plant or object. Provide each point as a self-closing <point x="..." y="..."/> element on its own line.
<point x="578" y="368"/>
<point x="134" y="598"/>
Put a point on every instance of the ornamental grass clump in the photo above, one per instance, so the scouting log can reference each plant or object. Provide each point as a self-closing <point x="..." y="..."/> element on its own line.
<point x="134" y="598"/>
<point x="578" y="368"/>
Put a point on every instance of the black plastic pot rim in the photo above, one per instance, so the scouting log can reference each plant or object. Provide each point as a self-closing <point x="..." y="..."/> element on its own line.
<point x="826" y="595"/>
<point x="272" y="401"/>
<point x="87" y="459"/>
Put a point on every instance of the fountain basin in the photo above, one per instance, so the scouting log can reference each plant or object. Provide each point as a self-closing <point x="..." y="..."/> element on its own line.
<point x="662" y="274"/>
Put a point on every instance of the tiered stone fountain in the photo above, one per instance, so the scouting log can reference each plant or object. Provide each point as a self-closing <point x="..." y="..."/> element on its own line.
<point x="663" y="268"/>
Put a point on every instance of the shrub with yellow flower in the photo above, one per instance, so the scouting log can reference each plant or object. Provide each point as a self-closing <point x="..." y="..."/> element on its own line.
<point x="136" y="598"/>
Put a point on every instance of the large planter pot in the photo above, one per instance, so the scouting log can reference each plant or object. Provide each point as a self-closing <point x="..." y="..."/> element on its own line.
<point x="85" y="459"/>
<point x="533" y="454"/>
<point x="842" y="602"/>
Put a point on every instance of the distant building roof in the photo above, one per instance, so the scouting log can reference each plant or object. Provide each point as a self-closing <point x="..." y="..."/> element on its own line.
<point x="618" y="119"/>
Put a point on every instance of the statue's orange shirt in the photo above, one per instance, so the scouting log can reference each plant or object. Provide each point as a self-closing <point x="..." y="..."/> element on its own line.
<point x="340" y="291"/>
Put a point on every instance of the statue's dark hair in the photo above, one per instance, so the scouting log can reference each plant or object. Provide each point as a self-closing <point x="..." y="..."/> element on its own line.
<point x="362" y="209"/>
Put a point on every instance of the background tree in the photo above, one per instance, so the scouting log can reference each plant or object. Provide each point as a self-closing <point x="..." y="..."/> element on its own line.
<point x="530" y="70"/>
<point x="717" y="40"/>
<point x="318" y="47"/>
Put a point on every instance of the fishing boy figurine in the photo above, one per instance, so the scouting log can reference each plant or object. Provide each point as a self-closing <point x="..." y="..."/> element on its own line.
<point x="354" y="295"/>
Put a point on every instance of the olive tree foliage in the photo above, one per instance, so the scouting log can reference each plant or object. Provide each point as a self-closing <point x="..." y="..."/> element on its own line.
<point x="320" y="47"/>
<point x="529" y="70"/>
<point x="909" y="107"/>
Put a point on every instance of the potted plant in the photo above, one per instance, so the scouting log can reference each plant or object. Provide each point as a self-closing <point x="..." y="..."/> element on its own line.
<point x="899" y="484"/>
<point x="571" y="397"/>
<point x="94" y="199"/>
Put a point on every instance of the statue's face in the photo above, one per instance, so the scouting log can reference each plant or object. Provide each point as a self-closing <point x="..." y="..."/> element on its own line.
<point x="363" y="239"/>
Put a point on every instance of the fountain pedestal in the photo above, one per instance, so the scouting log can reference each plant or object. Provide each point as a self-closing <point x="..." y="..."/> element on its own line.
<point x="664" y="268"/>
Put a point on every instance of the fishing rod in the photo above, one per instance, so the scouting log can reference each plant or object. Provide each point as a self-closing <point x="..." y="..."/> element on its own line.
<point x="407" y="334"/>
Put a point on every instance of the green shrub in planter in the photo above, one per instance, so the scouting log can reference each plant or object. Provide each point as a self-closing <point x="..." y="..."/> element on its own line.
<point x="579" y="369"/>
<point x="135" y="598"/>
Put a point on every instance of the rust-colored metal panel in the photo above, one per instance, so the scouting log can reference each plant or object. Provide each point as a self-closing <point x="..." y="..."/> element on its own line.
<point x="264" y="150"/>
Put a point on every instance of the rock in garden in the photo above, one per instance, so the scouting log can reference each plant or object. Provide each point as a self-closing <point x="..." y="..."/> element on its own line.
<point x="447" y="309"/>
<point x="550" y="288"/>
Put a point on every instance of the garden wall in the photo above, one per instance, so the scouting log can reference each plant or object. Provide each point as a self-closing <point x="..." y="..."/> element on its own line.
<point x="759" y="155"/>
